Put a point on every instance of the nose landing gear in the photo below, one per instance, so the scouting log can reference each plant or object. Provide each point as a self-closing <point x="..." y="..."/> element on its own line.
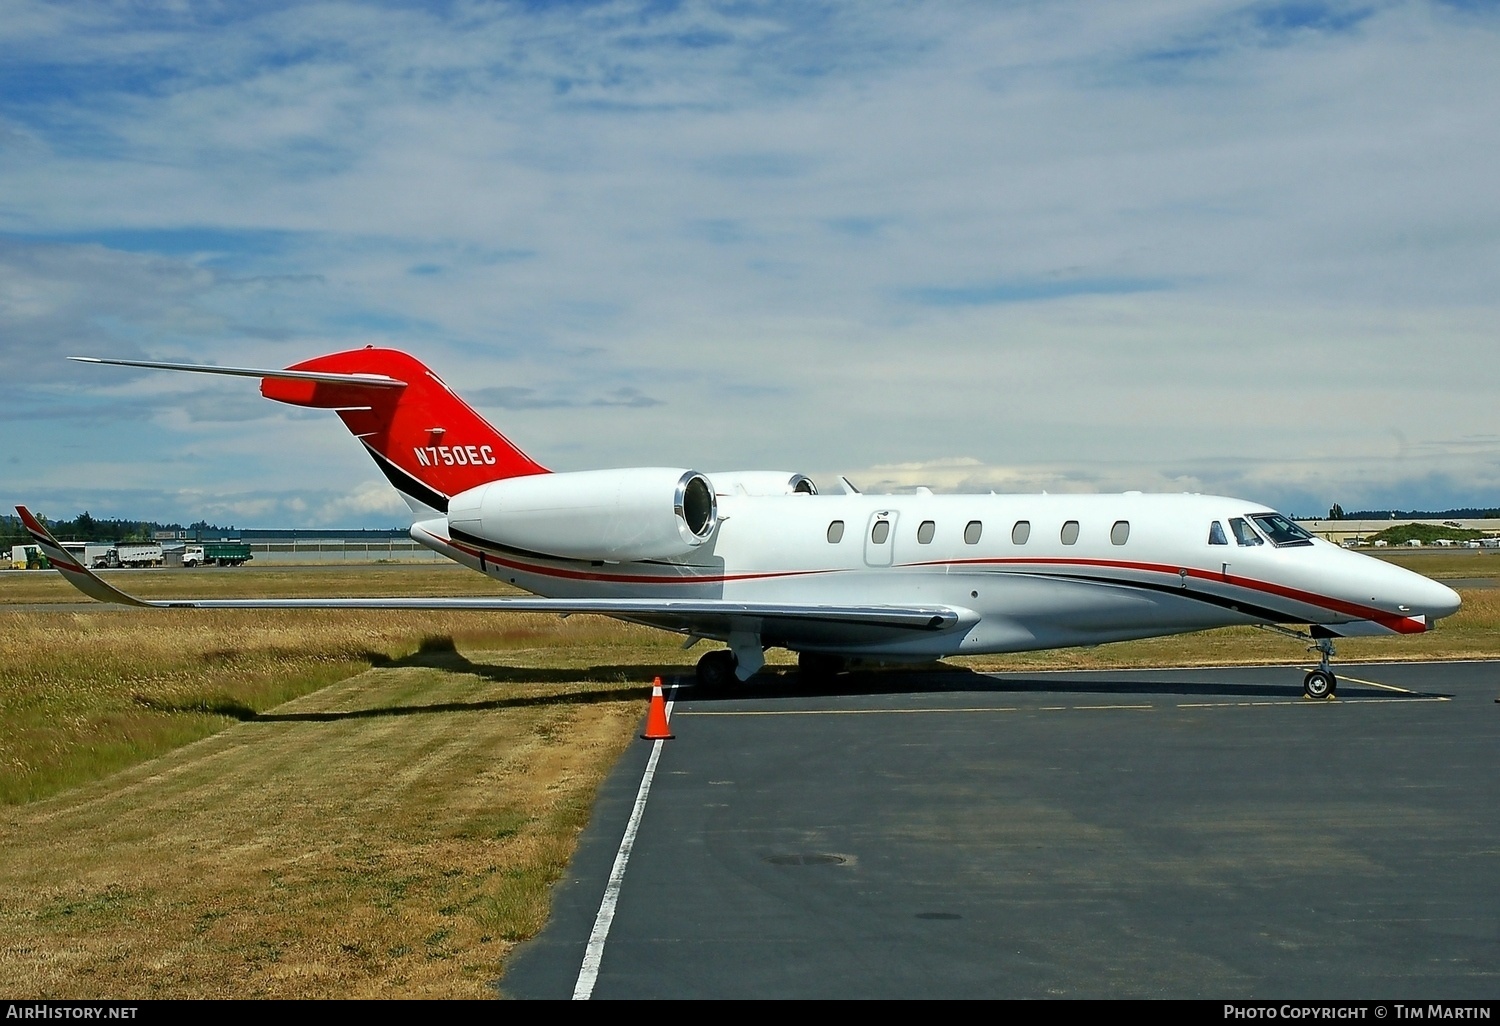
<point x="1321" y="685"/>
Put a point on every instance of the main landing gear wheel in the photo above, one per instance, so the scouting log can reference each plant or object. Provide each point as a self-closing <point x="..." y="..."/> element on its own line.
<point x="1320" y="685"/>
<point x="716" y="669"/>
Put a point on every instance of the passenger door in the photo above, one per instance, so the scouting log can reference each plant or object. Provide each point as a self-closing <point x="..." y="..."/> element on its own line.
<point x="880" y="537"/>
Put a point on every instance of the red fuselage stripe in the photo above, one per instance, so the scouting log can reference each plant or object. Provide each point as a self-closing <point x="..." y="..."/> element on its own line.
<point x="1394" y="622"/>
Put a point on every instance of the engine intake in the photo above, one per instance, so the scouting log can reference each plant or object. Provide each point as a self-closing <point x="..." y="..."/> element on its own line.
<point x="614" y="515"/>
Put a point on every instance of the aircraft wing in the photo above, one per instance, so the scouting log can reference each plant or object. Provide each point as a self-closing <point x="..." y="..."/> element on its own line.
<point x="707" y="614"/>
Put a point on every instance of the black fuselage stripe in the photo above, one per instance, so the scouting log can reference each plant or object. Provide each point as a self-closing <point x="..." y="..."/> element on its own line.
<point x="489" y="548"/>
<point x="406" y="484"/>
<point x="1223" y="601"/>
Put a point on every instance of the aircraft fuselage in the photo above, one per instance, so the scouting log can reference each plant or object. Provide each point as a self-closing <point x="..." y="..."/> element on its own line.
<point x="1029" y="571"/>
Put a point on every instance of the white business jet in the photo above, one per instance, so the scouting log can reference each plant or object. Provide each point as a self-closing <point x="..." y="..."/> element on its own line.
<point x="760" y="559"/>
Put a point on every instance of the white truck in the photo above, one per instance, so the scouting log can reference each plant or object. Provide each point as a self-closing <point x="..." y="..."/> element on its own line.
<point x="138" y="554"/>
<point x="96" y="555"/>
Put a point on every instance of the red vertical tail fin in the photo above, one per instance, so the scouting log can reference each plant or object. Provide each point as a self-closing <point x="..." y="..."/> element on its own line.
<point x="426" y="440"/>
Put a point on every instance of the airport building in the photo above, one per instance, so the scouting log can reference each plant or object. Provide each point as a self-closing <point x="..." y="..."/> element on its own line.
<point x="291" y="546"/>
<point x="1350" y="531"/>
<point x="340" y="550"/>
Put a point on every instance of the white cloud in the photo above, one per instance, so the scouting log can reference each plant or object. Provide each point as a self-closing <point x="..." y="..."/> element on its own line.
<point x="371" y="501"/>
<point x="1097" y="245"/>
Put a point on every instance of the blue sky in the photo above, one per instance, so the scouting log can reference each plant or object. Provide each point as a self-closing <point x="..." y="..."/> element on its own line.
<point x="1245" y="248"/>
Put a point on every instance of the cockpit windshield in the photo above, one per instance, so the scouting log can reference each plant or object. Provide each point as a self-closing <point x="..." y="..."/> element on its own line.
<point x="1244" y="533"/>
<point x="1280" y="530"/>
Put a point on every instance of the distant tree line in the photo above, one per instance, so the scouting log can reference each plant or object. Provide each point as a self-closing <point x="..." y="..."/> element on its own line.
<point x="1466" y="513"/>
<point x="86" y="527"/>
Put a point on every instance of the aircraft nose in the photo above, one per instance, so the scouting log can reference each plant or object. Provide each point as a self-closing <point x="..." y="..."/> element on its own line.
<point x="1440" y="601"/>
<point x="1411" y="594"/>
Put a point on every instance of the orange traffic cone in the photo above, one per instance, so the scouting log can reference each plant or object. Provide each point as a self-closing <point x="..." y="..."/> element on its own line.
<point x="656" y="718"/>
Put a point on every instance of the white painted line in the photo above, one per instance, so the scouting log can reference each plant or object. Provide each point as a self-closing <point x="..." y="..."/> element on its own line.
<point x="844" y="712"/>
<point x="1410" y="696"/>
<point x="1096" y="670"/>
<point x="944" y="711"/>
<point x="1317" y="703"/>
<point x="593" y="955"/>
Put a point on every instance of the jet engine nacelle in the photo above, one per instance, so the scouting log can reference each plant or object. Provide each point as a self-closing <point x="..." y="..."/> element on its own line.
<point x="615" y="515"/>
<point x="762" y="482"/>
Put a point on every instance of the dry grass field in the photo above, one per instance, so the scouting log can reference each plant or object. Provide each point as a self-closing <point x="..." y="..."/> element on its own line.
<point x="393" y="831"/>
<point x="1444" y="564"/>
<point x="342" y="804"/>
<point x="240" y="582"/>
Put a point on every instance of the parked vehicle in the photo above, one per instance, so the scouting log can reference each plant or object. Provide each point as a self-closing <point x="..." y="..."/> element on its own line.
<point x="97" y="555"/>
<point x="216" y="554"/>
<point x="139" y="554"/>
<point x="28" y="557"/>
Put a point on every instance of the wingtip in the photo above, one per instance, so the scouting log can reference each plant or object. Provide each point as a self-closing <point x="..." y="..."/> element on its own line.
<point x="72" y="570"/>
<point x="86" y="359"/>
<point x="34" y="526"/>
<point x="29" y="520"/>
<point x="57" y="555"/>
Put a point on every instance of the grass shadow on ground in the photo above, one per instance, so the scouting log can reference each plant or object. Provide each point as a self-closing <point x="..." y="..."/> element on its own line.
<point x="441" y="653"/>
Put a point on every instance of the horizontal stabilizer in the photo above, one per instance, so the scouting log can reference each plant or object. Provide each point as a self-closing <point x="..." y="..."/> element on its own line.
<point x="325" y="377"/>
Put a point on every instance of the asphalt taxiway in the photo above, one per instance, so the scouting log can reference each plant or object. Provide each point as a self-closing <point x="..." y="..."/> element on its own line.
<point x="1201" y="833"/>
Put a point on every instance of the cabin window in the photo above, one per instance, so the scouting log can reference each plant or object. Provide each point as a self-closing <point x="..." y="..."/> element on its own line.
<point x="835" y="532"/>
<point x="1216" y="534"/>
<point x="1070" y="532"/>
<point x="972" y="530"/>
<point x="1120" y="533"/>
<point x="1280" y="530"/>
<point x="1243" y="532"/>
<point x="925" y="532"/>
<point x="1021" y="532"/>
<point x="880" y="532"/>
